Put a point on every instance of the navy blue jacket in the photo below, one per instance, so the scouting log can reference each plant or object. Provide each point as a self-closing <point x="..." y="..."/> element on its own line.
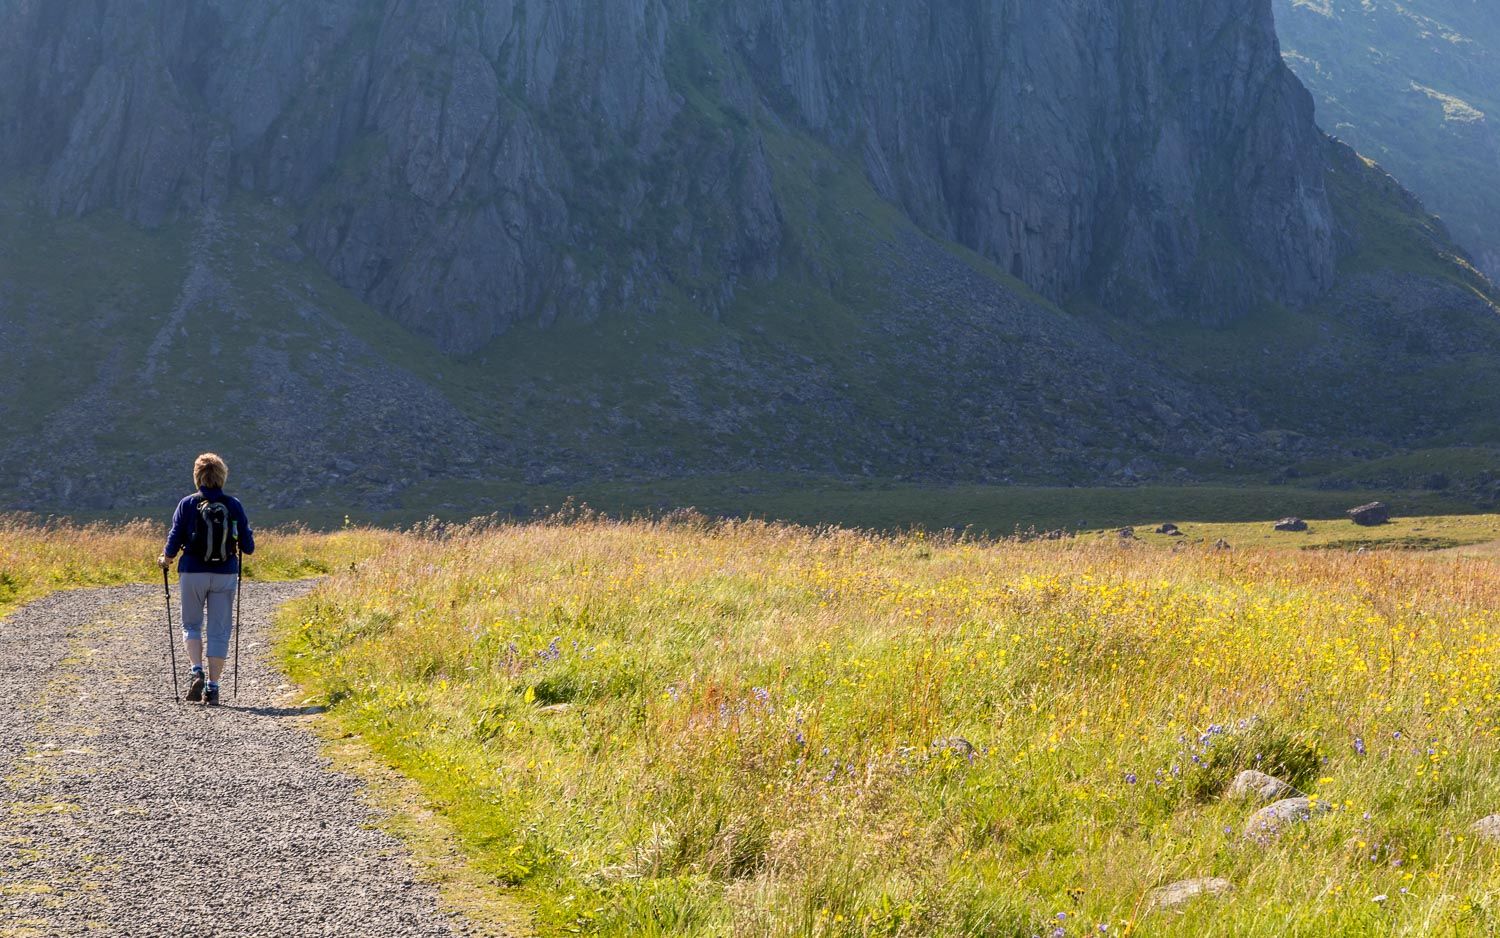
<point x="182" y="531"/>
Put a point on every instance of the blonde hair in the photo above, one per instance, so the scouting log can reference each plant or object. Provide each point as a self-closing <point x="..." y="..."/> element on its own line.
<point x="209" y="472"/>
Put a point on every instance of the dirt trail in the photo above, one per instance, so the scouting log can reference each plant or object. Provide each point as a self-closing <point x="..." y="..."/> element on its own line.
<point x="123" y="814"/>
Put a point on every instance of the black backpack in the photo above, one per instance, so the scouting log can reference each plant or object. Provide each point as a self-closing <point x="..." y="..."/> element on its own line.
<point x="210" y="540"/>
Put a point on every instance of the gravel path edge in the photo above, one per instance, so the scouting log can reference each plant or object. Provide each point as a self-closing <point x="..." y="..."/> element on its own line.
<point x="126" y="814"/>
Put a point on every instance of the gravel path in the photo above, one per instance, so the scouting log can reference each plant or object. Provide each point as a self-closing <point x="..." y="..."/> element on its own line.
<point x="124" y="814"/>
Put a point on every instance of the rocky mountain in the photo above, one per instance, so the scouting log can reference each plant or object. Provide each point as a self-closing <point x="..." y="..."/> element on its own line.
<point x="1414" y="85"/>
<point x="465" y="169"/>
<point x="644" y="238"/>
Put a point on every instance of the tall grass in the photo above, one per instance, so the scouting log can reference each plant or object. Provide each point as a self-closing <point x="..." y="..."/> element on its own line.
<point x="39" y="556"/>
<point x="745" y="729"/>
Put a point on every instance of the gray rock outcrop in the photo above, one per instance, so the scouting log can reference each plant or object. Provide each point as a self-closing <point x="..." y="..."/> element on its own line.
<point x="1063" y="214"/>
<point x="1488" y="828"/>
<point x="954" y="744"/>
<point x="1371" y="515"/>
<point x="1175" y="894"/>
<point x="1278" y="817"/>
<point x="1291" y="524"/>
<point x="1259" y="785"/>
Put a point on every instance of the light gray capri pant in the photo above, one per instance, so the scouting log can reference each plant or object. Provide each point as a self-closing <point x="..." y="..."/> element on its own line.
<point x="216" y="591"/>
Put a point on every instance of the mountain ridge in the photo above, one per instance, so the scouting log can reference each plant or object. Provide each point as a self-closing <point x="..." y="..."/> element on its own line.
<point x="1411" y="85"/>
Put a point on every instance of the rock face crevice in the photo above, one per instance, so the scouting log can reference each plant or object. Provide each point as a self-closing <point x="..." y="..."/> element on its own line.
<point x="468" y="168"/>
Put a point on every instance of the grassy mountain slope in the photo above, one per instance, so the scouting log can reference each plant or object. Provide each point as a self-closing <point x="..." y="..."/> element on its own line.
<point x="1414" y="85"/>
<point x="1403" y="348"/>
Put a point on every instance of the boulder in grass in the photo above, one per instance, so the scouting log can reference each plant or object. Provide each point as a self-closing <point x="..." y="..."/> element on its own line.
<point x="954" y="744"/>
<point x="1291" y="524"/>
<point x="1260" y="786"/>
<point x="1175" y="894"/>
<point x="1370" y="515"/>
<point x="1221" y="544"/>
<point x="1276" y="818"/>
<point x="1488" y="828"/>
<point x="1169" y="528"/>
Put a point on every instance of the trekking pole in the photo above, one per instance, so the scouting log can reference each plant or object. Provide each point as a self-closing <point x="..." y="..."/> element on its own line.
<point x="171" y="638"/>
<point x="239" y="579"/>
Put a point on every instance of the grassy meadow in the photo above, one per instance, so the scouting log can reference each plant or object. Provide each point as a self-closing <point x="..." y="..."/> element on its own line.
<point x="687" y="727"/>
<point x="997" y="510"/>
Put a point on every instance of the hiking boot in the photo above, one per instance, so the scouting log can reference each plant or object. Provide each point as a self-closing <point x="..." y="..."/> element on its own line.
<point x="211" y="696"/>
<point x="195" y="687"/>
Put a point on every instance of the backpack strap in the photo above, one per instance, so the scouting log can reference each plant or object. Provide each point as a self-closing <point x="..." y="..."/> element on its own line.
<point x="223" y="550"/>
<point x="192" y="514"/>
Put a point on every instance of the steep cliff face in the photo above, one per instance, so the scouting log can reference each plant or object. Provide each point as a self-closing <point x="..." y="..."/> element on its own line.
<point x="1415" y="85"/>
<point x="439" y="158"/>
<point x="1156" y="154"/>
<point x="468" y="168"/>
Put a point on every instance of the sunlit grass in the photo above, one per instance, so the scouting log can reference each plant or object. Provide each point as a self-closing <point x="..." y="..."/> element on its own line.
<point x="713" y="729"/>
<point x="38" y="556"/>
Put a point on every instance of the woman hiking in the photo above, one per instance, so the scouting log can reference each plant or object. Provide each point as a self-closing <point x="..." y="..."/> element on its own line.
<point x="212" y="530"/>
